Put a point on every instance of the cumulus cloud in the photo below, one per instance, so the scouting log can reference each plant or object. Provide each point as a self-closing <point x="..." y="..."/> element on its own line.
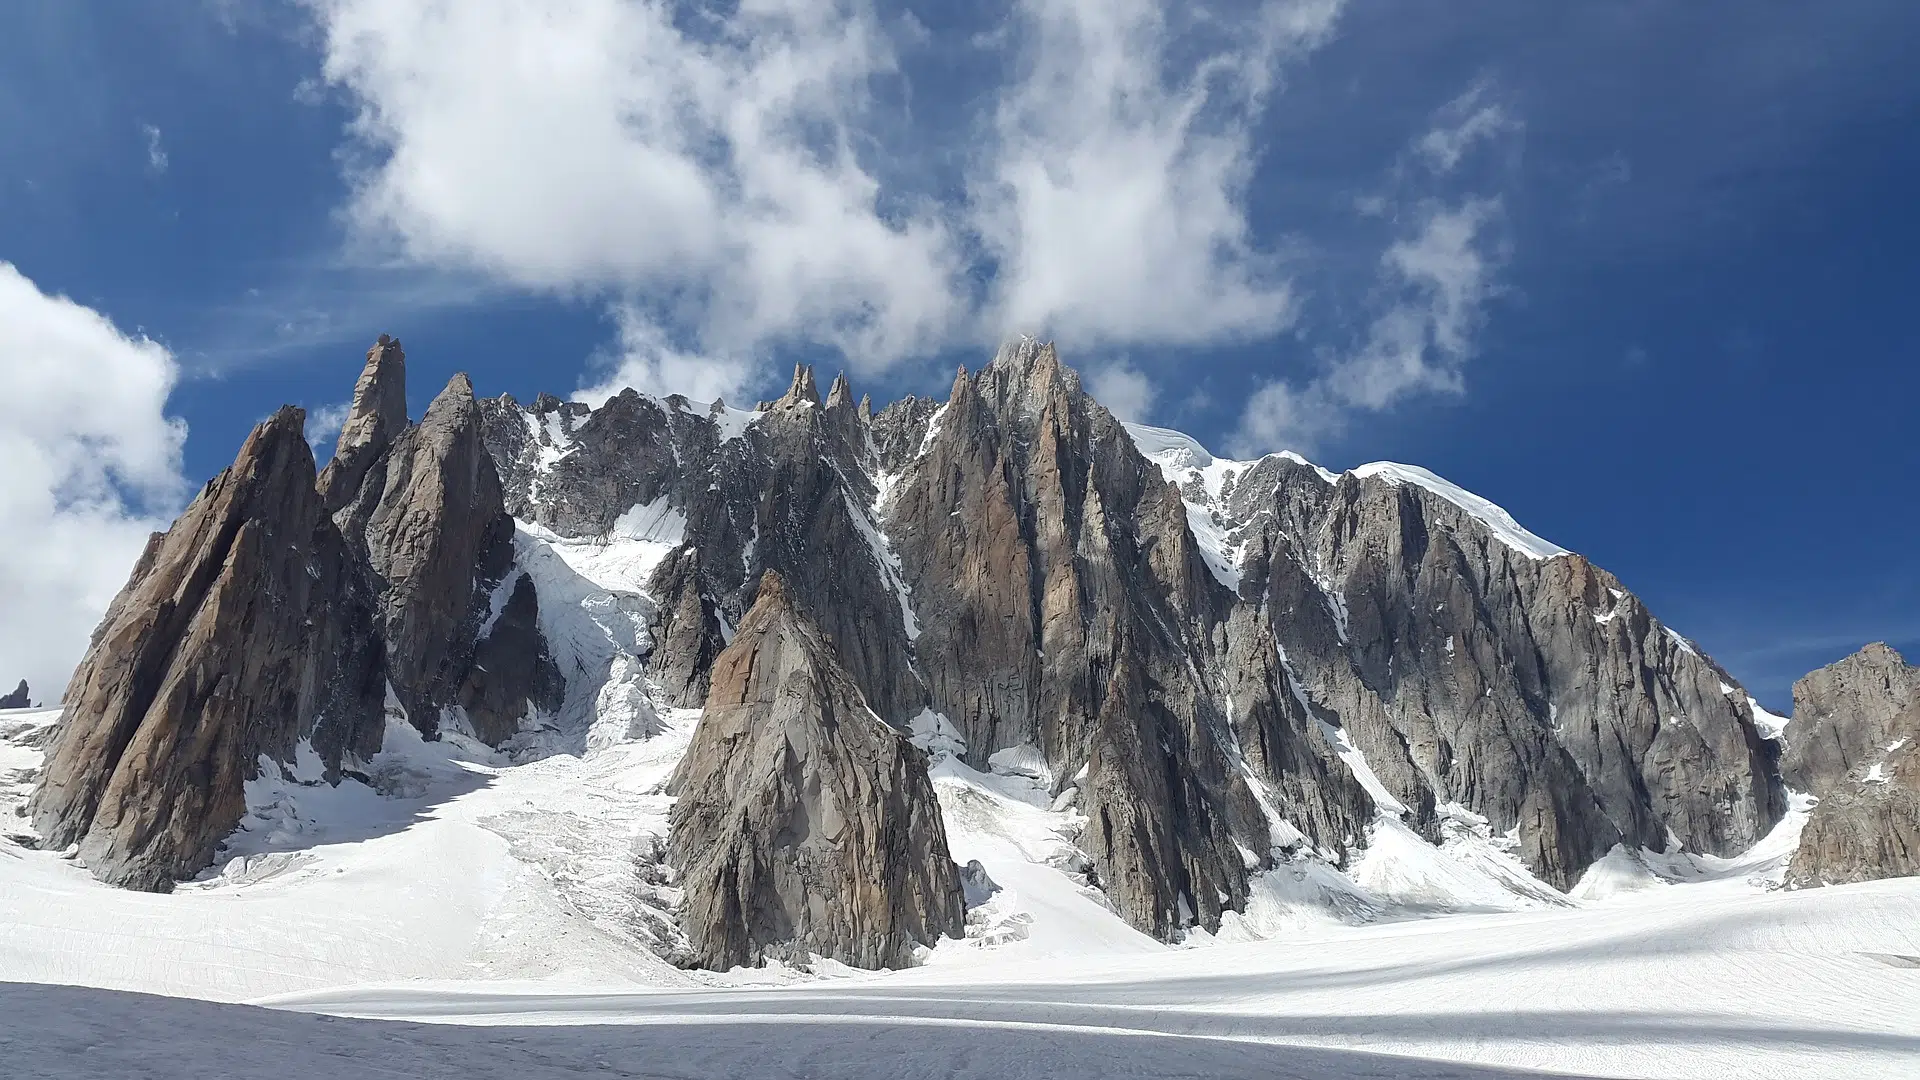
<point x="1125" y="390"/>
<point x="1434" y="282"/>
<point x="1113" y="191"/>
<point x="92" y="465"/>
<point x="727" y="164"/>
<point x="646" y="359"/>
<point x="323" y="427"/>
<point x="621" y="145"/>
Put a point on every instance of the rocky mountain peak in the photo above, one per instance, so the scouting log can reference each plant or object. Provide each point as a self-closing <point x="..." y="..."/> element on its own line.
<point x="1845" y="713"/>
<point x="1854" y="744"/>
<point x="245" y="629"/>
<point x="1028" y="368"/>
<point x="377" y="417"/>
<point x="453" y="406"/>
<point x="437" y="537"/>
<point x="840" y="395"/>
<point x="805" y="824"/>
<point x="18" y="699"/>
<point x="802" y="390"/>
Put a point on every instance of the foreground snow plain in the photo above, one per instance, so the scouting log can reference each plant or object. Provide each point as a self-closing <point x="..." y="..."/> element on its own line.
<point x="479" y="918"/>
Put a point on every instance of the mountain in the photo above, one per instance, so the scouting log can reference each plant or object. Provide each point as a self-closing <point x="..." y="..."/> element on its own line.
<point x="1204" y="673"/>
<point x="787" y="747"/>
<point x="1854" y="744"/>
<point x="245" y="634"/>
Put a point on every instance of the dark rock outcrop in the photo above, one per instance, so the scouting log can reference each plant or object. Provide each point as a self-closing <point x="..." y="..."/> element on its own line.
<point x="246" y="628"/>
<point x="512" y="669"/>
<point x="804" y="823"/>
<point x="18" y="699"/>
<point x="425" y="508"/>
<point x="1854" y="743"/>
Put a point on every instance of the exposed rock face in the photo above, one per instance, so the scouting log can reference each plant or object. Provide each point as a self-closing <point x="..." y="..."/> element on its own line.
<point x="1525" y="684"/>
<point x="245" y="629"/>
<point x="1855" y="744"/>
<point x="428" y="515"/>
<point x="18" y="699"/>
<point x="790" y="488"/>
<point x="1068" y="618"/>
<point x="512" y="669"/>
<point x="1845" y="715"/>
<point x="1224" y="664"/>
<point x="804" y="823"/>
<point x="377" y="416"/>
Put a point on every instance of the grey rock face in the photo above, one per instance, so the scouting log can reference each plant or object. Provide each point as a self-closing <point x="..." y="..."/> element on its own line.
<point x="377" y="416"/>
<point x="1855" y="744"/>
<point x="430" y="518"/>
<point x="1066" y="614"/>
<point x="1845" y="715"/>
<point x="512" y="669"/>
<point x="245" y="629"/>
<point x="789" y="488"/>
<point x="18" y="699"/>
<point x="1535" y="691"/>
<point x="1010" y="560"/>
<point x="804" y="823"/>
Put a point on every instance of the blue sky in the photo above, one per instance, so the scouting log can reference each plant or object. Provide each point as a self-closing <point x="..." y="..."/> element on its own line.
<point x="1638" y="271"/>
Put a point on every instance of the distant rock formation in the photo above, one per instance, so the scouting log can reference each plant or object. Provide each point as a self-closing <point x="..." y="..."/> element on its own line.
<point x="1854" y="743"/>
<point x="1223" y="665"/>
<point x="246" y="629"/>
<point x="804" y="824"/>
<point x="18" y="699"/>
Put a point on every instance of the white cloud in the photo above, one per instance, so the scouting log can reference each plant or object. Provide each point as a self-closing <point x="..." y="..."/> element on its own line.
<point x="323" y="428"/>
<point x="1113" y="192"/>
<point x="1433" y="285"/>
<point x="647" y="361"/>
<point x="614" y="146"/>
<point x="1437" y="282"/>
<point x="1124" y="389"/>
<point x="722" y="163"/>
<point x="92" y="465"/>
<point x="156" y="154"/>
<point x="1462" y="122"/>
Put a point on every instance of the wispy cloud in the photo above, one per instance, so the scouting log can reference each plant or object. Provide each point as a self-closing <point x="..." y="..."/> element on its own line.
<point x="156" y="153"/>
<point x="645" y="358"/>
<point x="613" y="148"/>
<point x="323" y="427"/>
<point x="1462" y="122"/>
<point x="1113" y="190"/>
<point x="1433" y="284"/>
<point x="728" y="171"/>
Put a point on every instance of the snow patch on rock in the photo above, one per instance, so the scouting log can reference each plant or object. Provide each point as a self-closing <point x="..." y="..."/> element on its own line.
<point x="1504" y="528"/>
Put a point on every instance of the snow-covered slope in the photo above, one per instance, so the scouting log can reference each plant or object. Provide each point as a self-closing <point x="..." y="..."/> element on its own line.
<point x="459" y="885"/>
<point x="1504" y="528"/>
<point x="1204" y="479"/>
